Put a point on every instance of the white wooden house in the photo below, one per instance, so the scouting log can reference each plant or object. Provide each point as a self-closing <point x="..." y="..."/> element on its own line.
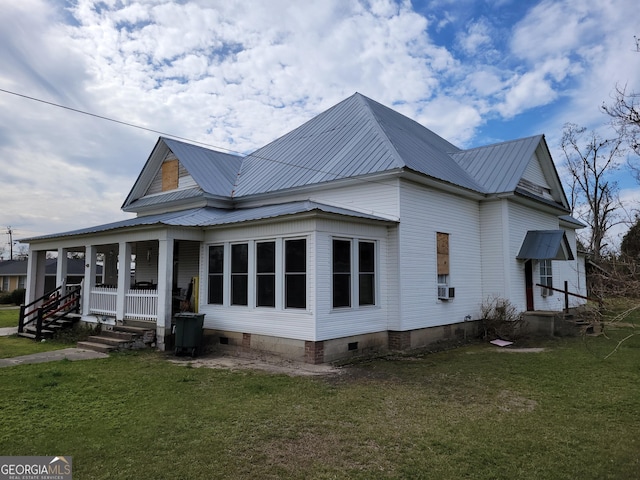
<point x="360" y="229"/>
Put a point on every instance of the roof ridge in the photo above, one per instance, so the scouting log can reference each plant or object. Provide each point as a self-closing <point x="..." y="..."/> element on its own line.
<point x="505" y="142"/>
<point x="373" y="118"/>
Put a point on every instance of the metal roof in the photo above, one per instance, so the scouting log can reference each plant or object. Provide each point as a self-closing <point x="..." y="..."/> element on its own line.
<point x="215" y="172"/>
<point x="354" y="138"/>
<point x="499" y="167"/>
<point x="573" y="221"/>
<point x="545" y="245"/>
<point x="209" y="217"/>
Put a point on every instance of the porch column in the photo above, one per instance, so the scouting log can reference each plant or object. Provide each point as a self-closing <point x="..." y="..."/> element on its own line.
<point x="165" y="286"/>
<point x="124" y="278"/>
<point x="61" y="270"/>
<point x="89" y="277"/>
<point x="35" y="275"/>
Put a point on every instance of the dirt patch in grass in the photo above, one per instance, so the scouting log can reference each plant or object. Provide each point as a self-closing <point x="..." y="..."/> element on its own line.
<point x="263" y="363"/>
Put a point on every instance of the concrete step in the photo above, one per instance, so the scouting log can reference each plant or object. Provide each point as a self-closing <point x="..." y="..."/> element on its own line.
<point x="27" y="335"/>
<point x="132" y="329"/>
<point x="44" y="332"/>
<point x="113" y="341"/>
<point x="96" y="347"/>
<point x="122" y="336"/>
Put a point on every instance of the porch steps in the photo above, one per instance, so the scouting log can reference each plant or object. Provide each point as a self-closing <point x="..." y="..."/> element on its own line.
<point x="96" y="347"/>
<point x="60" y="323"/>
<point x="121" y="337"/>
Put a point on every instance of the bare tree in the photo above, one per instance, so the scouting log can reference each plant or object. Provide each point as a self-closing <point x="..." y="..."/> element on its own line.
<point x="591" y="161"/>
<point x="625" y="118"/>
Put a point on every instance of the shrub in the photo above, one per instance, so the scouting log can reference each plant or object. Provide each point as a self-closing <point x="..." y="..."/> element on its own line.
<point x="501" y="319"/>
<point x="16" y="297"/>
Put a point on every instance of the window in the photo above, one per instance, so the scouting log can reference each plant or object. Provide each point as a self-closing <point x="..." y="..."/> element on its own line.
<point x="341" y="273"/>
<point x="295" y="273"/>
<point x="5" y="284"/>
<point x="21" y="281"/>
<point x="343" y="266"/>
<point x="266" y="274"/>
<point x="546" y="277"/>
<point x="239" y="273"/>
<point x="442" y="254"/>
<point x="216" y="272"/>
<point x="366" y="273"/>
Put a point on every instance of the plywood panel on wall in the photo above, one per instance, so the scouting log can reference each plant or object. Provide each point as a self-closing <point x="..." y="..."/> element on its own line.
<point x="170" y="170"/>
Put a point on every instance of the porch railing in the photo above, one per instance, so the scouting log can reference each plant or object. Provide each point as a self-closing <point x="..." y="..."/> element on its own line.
<point x="103" y="301"/>
<point x="48" y="309"/>
<point x="567" y="293"/>
<point x="140" y="304"/>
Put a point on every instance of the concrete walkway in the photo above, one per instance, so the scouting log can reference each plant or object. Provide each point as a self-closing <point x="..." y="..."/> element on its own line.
<point x="72" y="354"/>
<point x="6" y="331"/>
<point x="52" y="356"/>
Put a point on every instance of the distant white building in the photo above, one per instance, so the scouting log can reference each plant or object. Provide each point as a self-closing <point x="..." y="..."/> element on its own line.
<point x="359" y="230"/>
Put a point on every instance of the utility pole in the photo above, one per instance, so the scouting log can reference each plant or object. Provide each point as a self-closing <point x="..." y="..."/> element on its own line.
<point x="10" y="233"/>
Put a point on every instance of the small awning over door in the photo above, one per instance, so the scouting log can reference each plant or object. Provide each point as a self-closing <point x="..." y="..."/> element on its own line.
<point x="545" y="245"/>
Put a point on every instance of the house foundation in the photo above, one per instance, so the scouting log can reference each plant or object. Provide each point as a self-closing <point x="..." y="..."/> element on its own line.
<point x="316" y="352"/>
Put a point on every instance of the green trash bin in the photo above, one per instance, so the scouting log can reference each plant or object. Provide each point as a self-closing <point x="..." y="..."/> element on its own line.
<point x="188" y="332"/>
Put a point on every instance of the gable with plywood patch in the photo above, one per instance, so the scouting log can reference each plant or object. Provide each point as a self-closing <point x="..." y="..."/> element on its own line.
<point x="171" y="176"/>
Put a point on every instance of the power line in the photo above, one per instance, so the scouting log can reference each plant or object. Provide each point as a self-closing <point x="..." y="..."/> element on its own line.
<point x="102" y="117"/>
<point x="217" y="147"/>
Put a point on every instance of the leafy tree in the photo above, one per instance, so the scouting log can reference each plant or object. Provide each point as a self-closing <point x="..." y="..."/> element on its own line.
<point x="591" y="161"/>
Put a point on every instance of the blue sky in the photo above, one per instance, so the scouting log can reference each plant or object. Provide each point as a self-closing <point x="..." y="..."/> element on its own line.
<point x="238" y="74"/>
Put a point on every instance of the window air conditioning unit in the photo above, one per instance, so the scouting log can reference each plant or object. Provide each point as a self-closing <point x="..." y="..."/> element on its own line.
<point x="446" y="293"/>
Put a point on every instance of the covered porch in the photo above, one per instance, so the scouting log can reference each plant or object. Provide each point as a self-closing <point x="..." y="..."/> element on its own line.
<point x="147" y="275"/>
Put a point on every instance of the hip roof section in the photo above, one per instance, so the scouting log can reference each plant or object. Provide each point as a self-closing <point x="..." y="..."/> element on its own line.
<point x="353" y="139"/>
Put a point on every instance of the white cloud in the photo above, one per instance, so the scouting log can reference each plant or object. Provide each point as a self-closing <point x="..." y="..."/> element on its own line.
<point x="239" y="74"/>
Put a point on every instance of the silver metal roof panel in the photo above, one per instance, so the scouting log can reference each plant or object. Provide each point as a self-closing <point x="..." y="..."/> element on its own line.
<point x="545" y="245"/>
<point x="499" y="167"/>
<point x="209" y="217"/>
<point x="355" y="137"/>
<point x="215" y="172"/>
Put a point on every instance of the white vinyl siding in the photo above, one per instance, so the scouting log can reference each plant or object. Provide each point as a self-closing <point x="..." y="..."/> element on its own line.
<point x="424" y="212"/>
<point x="534" y="173"/>
<point x="378" y="197"/>
<point x="292" y="323"/>
<point x="356" y="320"/>
<point x="521" y="220"/>
<point x="494" y="276"/>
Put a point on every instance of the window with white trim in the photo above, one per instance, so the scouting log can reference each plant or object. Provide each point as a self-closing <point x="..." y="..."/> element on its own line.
<point x="295" y="273"/>
<point x="366" y="273"/>
<point x="266" y="274"/>
<point x="216" y="274"/>
<point x="546" y="277"/>
<point x="239" y="273"/>
<point x="349" y="258"/>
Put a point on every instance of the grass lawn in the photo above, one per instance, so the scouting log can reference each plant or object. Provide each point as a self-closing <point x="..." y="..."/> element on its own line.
<point x="476" y="412"/>
<point x="9" y="317"/>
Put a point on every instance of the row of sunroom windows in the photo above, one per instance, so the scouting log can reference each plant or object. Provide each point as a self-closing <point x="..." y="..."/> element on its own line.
<point x="353" y="273"/>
